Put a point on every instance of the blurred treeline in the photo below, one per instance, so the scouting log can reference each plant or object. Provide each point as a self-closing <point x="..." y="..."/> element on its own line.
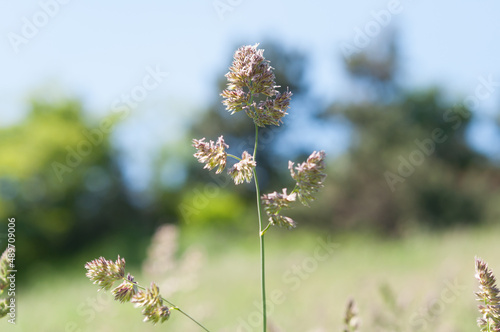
<point x="408" y="164"/>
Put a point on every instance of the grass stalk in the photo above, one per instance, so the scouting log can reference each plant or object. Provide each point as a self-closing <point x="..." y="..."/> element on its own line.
<point x="261" y="237"/>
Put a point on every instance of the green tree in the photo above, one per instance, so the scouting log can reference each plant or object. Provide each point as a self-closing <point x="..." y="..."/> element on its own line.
<point x="59" y="179"/>
<point x="408" y="161"/>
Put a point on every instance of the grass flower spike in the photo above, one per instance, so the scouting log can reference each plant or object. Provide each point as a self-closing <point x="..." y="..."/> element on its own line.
<point x="4" y="267"/>
<point x="351" y="319"/>
<point x="211" y="154"/>
<point x="250" y="76"/>
<point x="4" y="282"/>
<point x="243" y="170"/>
<point x="105" y="273"/>
<point x="489" y="297"/>
<point x="273" y="203"/>
<point x="126" y="290"/>
<point x="309" y="176"/>
<point x="251" y="70"/>
<point x="152" y="304"/>
<point x="4" y="308"/>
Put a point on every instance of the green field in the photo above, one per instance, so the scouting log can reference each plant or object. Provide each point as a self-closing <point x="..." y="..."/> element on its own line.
<point x="422" y="283"/>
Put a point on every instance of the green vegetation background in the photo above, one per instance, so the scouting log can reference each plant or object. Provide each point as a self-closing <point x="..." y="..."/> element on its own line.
<point x="399" y="285"/>
<point x="61" y="177"/>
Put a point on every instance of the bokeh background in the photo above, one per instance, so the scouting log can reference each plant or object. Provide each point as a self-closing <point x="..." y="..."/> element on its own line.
<point x="100" y="103"/>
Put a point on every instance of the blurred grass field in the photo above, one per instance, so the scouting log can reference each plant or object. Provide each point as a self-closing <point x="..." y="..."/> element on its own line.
<point x="421" y="283"/>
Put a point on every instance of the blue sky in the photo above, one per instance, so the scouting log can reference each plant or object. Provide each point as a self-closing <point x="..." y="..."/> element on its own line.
<point x="99" y="51"/>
